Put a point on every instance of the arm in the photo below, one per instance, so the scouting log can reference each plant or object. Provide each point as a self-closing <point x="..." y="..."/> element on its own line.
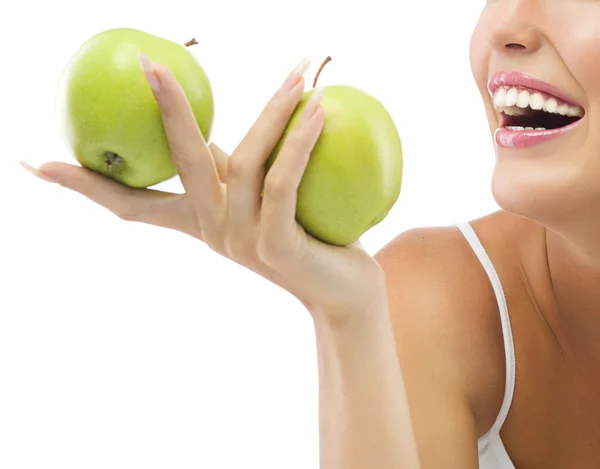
<point x="365" y="395"/>
<point x="249" y="217"/>
<point x="364" y="419"/>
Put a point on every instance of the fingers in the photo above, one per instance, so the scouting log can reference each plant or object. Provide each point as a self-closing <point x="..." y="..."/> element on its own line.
<point x="189" y="150"/>
<point x="278" y="213"/>
<point x="246" y="171"/>
<point x="143" y="205"/>
<point x="221" y="159"/>
<point x="266" y="131"/>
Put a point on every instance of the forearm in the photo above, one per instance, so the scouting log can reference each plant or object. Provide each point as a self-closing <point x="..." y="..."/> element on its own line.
<point x="364" y="420"/>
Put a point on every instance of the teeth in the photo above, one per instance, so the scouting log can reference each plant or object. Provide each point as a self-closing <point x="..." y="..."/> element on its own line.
<point x="536" y="102"/>
<point x="515" y="102"/>
<point x="500" y="98"/>
<point x="519" y="128"/>
<point x="511" y="97"/>
<point x="513" y="111"/>
<point x="551" y="105"/>
<point x="523" y="99"/>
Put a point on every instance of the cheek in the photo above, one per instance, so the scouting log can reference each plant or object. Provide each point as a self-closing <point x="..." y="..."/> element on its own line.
<point x="580" y="50"/>
<point x="479" y="55"/>
<point x="580" y="46"/>
<point x="585" y="65"/>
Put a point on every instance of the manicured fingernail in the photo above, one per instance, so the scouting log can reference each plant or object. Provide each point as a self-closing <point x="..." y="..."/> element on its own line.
<point x="37" y="172"/>
<point x="149" y="73"/>
<point x="313" y="103"/>
<point x="294" y="78"/>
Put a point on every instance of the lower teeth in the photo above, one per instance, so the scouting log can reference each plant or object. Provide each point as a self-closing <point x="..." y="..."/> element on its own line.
<point x="517" y="128"/>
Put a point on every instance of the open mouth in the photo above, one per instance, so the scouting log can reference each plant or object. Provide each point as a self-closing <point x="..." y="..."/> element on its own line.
<point x="524" y="109"/>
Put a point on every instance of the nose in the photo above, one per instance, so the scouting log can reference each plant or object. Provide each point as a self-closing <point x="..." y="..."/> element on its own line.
<point x="514" y="29"/>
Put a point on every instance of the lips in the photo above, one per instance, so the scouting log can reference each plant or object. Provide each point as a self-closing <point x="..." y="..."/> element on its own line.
<point x="517" y="116"/>
<point x="527" y="138"/>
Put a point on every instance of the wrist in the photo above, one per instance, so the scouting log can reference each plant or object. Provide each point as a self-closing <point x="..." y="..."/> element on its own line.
<point x="372" y="312"/>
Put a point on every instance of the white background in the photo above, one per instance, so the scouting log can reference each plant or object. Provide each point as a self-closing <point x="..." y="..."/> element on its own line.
<point x="129" y="346"/>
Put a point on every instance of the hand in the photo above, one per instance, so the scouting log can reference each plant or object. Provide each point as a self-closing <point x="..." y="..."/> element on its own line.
<point x="222" y="204"/>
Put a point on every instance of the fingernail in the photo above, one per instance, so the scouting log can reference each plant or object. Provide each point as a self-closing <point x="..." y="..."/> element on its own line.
<point x="294" y="78"/>
<point x="37" y="172"/>
<point x="149" y="73"/>
<point x="313" y="103"/>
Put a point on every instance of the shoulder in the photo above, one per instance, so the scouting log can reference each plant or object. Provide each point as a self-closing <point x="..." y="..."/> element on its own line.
<point x="444" y="311"/>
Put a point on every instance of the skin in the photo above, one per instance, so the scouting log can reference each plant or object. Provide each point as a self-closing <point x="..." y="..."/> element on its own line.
<point x="545" y="246"/>
<point x="417" y="326"/>
<point x="559" y="40"/>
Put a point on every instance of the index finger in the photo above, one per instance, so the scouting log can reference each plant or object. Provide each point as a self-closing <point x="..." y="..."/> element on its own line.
<point x="189" y="150"/>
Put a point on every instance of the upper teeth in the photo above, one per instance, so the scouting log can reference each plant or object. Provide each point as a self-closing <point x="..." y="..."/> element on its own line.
<point x="514" y="101"/>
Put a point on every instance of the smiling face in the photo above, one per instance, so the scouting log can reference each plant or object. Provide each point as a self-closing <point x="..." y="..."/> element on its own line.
<point x="537" y="66"/>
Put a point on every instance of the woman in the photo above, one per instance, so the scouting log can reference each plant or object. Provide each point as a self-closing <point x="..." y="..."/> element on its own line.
<point x="487" y="331"/>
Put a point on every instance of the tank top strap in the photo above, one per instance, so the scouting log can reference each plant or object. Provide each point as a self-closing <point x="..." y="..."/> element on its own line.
<point x="509" y="349"/>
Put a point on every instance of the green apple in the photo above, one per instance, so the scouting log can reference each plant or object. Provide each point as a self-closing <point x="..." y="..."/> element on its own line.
<point x="108" y="114"/>
<point x="353" y="177"/>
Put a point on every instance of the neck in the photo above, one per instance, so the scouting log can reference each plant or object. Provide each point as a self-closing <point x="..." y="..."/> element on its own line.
<point x="574" y="267"/>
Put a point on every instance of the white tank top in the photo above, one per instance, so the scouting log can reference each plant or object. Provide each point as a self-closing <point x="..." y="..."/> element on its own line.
<point x="492" y="453"/>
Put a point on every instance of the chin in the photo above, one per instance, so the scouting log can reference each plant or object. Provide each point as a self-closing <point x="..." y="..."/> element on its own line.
<point x="545" y="194"/>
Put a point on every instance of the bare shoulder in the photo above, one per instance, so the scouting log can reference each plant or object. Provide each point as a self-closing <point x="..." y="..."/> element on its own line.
<point x="445" y="313"/>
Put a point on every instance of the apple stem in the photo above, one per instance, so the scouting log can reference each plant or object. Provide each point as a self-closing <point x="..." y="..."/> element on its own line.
<point x="328" y="59"/>
<point x="191" y="42"/>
